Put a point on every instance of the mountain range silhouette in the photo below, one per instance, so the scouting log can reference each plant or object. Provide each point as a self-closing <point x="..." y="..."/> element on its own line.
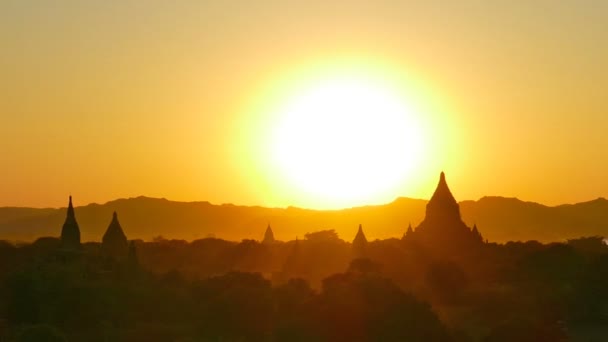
<point x="500" y="219"/>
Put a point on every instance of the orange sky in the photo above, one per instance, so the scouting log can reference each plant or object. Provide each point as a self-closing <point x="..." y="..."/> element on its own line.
<point x="108" y="99"/>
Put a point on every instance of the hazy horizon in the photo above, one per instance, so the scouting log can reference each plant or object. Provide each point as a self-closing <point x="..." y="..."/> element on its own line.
<point x="76" y="204"/>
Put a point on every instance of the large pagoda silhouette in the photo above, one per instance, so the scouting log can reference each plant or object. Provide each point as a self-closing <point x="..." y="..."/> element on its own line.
<point x="442" y="231"/>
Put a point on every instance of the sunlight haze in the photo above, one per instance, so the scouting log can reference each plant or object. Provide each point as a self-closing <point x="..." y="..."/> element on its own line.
<point x="195" y="100"/>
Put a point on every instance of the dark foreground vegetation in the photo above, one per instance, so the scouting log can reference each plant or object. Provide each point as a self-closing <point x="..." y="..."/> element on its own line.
<point x="440" y="282"/>
<point x="215" y="290"/>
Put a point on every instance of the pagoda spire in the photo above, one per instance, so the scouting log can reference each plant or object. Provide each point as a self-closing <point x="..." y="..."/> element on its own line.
<point x="442" y="229"/>
<point x="476" y="233"/>
<point x="268" y="235"/>
<point x="70" y="207"/>
<point x="360" y="243"/>
<point x="114" y="242"/>
<point x="70" y="232"/>
<point x="442" y="192"/>
<point x="408" y="233"/>
<point x="443" y="205"/>
<point x="360" y="237"/>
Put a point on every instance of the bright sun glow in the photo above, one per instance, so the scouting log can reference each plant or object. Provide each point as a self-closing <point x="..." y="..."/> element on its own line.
<point x="346" y="140"/>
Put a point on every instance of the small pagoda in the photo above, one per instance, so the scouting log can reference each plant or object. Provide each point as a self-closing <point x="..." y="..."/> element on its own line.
<point x="268" y="236"/>
<point x="70" y="232"/>
<point x="360" y="244"/>
<point x="114" y="243"/>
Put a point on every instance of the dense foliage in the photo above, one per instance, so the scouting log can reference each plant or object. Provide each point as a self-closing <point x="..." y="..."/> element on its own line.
<point x="308" y="290"/>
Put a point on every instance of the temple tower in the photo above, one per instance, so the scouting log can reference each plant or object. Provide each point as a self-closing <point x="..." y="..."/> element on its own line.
<point x="360" y="244"/>
<point x="268" y="236"/>
<point x="114" y="243"/>
<point x="442" y="229"/>
<point x="409" y="233"/>
<point x="70" y="233"/>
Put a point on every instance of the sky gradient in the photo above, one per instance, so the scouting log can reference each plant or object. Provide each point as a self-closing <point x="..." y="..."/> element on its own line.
<point x="111" y="99"/>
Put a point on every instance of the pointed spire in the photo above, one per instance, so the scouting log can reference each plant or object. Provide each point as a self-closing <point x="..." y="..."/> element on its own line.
<point x="114" y="224"/>
<point x="360" y="244"/>
<point x="443" y="205"/>
<point x="70" y="232"/>
<point x="360" y="237"/>
<point x="442" y="192"/>
<point x="70" y="207"/>
<point x="442" y="231"/>
<point x="114" y="242"/>
<point x="476" y="233"/>
<point x="268" y="235"/>
<point x="409" y="233"/>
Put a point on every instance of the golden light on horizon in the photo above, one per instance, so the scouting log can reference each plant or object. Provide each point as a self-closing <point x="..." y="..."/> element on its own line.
<point x="342" y="135"/>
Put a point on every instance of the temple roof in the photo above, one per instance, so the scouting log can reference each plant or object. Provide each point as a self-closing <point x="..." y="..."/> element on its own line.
<point x="360" y="237"/>
<point x="114" y="232"/>
<point x="70" y="208"/>
<point x="268" y="235"/>
<point x="70" y="232"/>
<point x="442" y="192"/>
<point x="359" y="244"/>
<point x="443" y="204"/>
<point x="442" y="228"/>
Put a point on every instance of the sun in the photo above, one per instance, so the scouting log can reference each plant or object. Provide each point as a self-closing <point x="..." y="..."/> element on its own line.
<point x="346" y="140"/>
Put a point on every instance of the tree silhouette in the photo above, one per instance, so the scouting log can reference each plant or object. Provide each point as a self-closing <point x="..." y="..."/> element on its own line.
<point x="369" y="308"/>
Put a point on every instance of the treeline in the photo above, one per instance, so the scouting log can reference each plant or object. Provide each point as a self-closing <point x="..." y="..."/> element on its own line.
<point x="314" y="289"/>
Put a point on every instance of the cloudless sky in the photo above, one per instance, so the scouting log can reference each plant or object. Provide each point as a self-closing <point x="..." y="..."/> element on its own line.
<point x="108" y="99"/>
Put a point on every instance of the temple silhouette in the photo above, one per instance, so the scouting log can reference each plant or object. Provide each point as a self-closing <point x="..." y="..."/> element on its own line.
<point x="360" y="244"/>
<point x="442" y="231"/>
<point x="268" y="236"/>
<point x="70" y="232"/>
<point x="114" y="243"/>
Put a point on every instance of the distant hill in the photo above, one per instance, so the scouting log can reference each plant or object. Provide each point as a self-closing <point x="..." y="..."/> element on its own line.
<point x="499" y="219"/>
<point x="503" y="219"/>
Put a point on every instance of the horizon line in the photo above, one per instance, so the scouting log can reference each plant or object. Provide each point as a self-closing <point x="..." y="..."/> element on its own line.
<point x="298" y="207"/>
